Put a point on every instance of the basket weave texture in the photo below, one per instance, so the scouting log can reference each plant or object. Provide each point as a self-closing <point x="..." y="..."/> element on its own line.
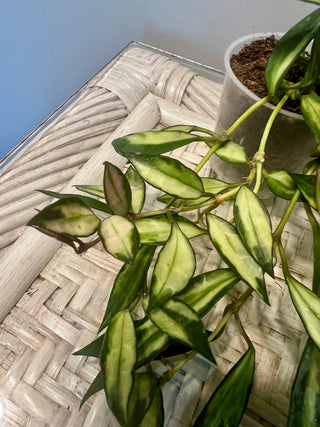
<point x="41" y="382"/>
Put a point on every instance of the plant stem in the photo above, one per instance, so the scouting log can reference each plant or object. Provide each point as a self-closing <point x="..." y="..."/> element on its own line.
<point x="278" y="231"/>
<point x="270" y="121"/>
<point x="246" y="114"/>
<point x="207" y="156"/>
<point x="316" y="247"/>
<point x="235" y="125"/>
<point x="204" y="130"/>
<point x="309" y="170"/>
<point x="220" y="198"/>
<point x="284" y="261"/>
<point x="220" y="325"/>
<point x="152" y="213"/>
<point x="243" y="332"/>
<point x="259" y="156"/>
<point x="170" y="373"/>
<point x="88" y="245"/>
<point x="234" y="309"/>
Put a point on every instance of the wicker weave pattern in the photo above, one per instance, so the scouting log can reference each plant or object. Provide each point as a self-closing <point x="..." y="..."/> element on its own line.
<point x="56" y="154"/>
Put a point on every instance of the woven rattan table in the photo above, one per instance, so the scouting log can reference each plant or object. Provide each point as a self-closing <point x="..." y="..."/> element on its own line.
<point x="52" y="300"/>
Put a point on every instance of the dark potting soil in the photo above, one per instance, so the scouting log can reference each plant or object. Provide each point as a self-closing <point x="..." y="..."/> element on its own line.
<point x="249" y="66"/>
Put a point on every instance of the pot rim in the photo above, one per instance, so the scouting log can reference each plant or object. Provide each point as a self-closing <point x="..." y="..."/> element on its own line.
<point x="234" y="47"/>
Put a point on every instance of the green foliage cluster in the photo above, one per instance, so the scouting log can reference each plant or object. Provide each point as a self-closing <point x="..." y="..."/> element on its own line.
<point x="153" y="309"/>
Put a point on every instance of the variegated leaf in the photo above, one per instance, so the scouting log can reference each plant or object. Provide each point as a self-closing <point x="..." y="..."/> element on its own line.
<point x="210" y="185"/>
<point x="152" y="142"/>
<point x="141" y="397"/>
<point x="117" y="189"/>
<point x="118" y="360"/>
<point x="95" y="386"/>
<point x="174" y="268"/>
<point x="288" y="49"/>
<point x="307" y="305"/>
<point x="156" y="229"/>
<point x="281" y="184"/>
<point x="130" y="279"/>
<point x="70" y="216"/>
<point x="95" y="190"/>
<point x="228" y="243"/>
<point x="307" y="186"/>
<point x="229" y="400"/>
<point x="169" y="175"/>
<point x="119" y="237"/>
<point x="138" y="189"/>
<point x="254" y="227"/>
<point x="310" y="108"/>
<point x="204" y="290"/>
<point x="305" y="394"/>
<point x="151" y="341"/>
<point x="232" y="152"/>
<point x="89" y="201"/>
<point x="155" y="414"/>
<point x="182" y="323"/>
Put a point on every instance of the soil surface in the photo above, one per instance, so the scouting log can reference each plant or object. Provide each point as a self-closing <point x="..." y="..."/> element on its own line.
<point x="249" y="66"/>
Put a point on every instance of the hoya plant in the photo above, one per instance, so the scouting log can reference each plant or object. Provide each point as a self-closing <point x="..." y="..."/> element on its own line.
<point x="157" y="303"/>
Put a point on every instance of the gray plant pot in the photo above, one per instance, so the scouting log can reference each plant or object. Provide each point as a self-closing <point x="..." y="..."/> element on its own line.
<point x="290" y="140"/>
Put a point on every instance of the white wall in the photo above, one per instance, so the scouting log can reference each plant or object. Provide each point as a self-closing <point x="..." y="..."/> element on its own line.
<point x="49" y="48"/>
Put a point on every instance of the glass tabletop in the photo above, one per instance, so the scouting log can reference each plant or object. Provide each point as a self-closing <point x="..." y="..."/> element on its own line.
<point x="200" y="69"/>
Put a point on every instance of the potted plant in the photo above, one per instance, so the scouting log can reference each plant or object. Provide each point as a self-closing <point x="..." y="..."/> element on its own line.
<point x="245" y="61"/>
<point x="156" y="311"/>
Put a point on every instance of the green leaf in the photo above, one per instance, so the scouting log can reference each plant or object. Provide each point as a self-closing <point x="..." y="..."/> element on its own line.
<point x="130" y="279"/>
<point x="119" y="237"/>
<point x="307" y="185"/>
<point x="155" y="415"/>
<point x="310" y="108"/>
<point x="210" y="185"/>
<point x="170" y="176"/>
<point x="174" y="268"/>
<point x="152" y="143"/>
<point x="228" y="243"/>
<point x="95" y="386"/>
<point x="91" y="350"/>
<point x="176" y="202"/>
<point x="312" y="1"/>
<point x="305" y="395"/>
<point x="316" y="254"/>
<point x="214" y="186"/>
<point x="315" y="152"/>
<point x="307" y="305"/>
<point x="141" y="397"/>
<point x="232" y="152"/>
<point x="280" y="183"/>
<point x="118" y="360"/>
<point x="289" y="48"/>
<point x="180" y="128"/>
<point x="204" y="290"/>
<point x="228" y="402"/>
<point x="90" y="202"/>
<point x="156" y="229"/>
<point x="201" y="294"/>
<point x="151" y="341"/>
<point x="313" y="70"/>
<point x="138" y="189"/>
<point x="70" y="216"/>
<point x="182" y="323"/>
<point x="117" y="189"/>
<point x="254" y="227"/>
<point x="95" y="190"/>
